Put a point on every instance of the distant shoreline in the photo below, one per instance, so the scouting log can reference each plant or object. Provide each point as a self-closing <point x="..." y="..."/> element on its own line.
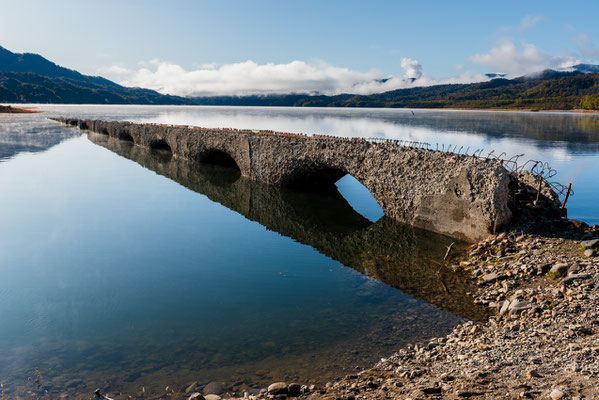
<point x="13" y="109"/>
<point x="17" y="110"/>
<point x="574" y="111"/>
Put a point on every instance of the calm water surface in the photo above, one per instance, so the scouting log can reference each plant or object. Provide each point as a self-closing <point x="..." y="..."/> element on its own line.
<point x="124" y="269"/>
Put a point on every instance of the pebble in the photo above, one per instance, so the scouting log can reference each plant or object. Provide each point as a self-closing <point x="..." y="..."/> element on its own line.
<point x="493" y="277"/>
<point x="532" y="373"/>
<point x="589" y="253"/>
<point x="590" y="244"/>
<point x="559" y="269"/>
<point x="213" y="388"/>
<point x="573" y="277"/>
<point x="294" y="389"/>
<point x="504" y="308"/>
<point x="517" y="306"/>
<point x="557" y="394"/>
<point x="278" y="388"/>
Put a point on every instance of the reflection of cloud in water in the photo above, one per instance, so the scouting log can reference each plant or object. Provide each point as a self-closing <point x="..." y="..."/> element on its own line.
<point x="352" y="126"/>
<point x="561" y="155"/>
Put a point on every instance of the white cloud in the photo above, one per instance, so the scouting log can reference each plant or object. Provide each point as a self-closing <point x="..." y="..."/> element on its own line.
<point x="521" y="60"/>
<point x="412" y="67"/>
<point x="248" y="77"/>
<point x="400" y="83"/>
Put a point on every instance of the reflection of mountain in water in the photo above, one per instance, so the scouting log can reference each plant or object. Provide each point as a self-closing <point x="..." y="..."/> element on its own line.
<point x="394" y="253"/>
<point x="23" y="133"/>
<point x="570" y="128"/>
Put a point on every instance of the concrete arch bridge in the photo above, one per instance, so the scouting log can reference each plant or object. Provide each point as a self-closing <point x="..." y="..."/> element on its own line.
<point x="457" y="195"/>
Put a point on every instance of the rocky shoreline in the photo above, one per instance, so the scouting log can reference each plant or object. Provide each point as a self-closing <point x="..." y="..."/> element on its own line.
<point x="540" y="343"/>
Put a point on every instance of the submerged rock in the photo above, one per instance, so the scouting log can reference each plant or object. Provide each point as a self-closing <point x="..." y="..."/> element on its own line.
<point x="213" y="388"/>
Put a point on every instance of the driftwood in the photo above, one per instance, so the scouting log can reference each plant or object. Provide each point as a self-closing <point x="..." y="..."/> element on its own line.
<point x="99" y="395"/>
<point x="448" y="250"/>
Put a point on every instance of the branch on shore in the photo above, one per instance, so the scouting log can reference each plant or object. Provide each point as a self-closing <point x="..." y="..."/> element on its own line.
<point x="99" y="395"/>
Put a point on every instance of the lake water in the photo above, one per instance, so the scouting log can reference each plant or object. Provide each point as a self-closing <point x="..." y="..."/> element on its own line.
<point x="123" y="269"/>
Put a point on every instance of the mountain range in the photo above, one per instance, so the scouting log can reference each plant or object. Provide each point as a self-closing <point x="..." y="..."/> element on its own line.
<point x="31" y="78"/>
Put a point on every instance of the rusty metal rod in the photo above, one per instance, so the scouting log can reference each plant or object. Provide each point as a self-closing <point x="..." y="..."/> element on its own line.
<point x="539" y="189"/>
<point x="567" y="195"/>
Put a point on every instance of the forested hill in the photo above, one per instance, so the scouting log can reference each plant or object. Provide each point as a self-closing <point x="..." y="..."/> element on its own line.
<point x="550" y="90"/>
<point x="30" y="78"/>
<point x="27" y="87"/>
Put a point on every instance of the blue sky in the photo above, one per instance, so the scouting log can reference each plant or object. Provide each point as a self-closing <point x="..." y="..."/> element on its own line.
<point x="205" y="47"/>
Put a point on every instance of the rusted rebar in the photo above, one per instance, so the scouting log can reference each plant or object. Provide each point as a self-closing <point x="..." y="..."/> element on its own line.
<point x="539" y="189"/>
<point x="567" y="195"/>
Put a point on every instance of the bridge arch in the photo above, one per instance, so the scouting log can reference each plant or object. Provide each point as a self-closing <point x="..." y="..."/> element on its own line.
<point x="160" y="144"/>
<point x="219" y="157"/>
<point x="337" y="181"/>
<point x="126" y="136"/>
<point x="314" y="178"/>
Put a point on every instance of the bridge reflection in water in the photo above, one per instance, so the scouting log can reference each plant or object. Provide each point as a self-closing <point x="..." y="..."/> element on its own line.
<point x="404" y="257"/>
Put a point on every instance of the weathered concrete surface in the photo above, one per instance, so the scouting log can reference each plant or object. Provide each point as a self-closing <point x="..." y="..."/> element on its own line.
<point x="457" y="195"/>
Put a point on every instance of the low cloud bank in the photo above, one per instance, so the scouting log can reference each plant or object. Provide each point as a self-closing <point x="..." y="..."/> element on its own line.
<point x="521" y="60"/>
<point x="248" y="77"/>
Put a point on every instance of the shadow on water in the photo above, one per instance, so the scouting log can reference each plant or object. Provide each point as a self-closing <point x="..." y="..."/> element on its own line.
<point x="397" y="254"/>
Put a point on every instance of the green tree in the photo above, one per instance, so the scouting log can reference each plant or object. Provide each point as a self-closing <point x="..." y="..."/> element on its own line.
<point x="590" y="102"/>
